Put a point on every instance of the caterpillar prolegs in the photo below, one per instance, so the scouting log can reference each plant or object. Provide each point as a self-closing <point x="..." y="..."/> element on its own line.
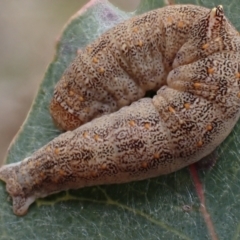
<point x="190" y="53"/>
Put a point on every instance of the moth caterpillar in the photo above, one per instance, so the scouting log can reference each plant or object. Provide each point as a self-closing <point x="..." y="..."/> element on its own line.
<point x="190" y="53"/>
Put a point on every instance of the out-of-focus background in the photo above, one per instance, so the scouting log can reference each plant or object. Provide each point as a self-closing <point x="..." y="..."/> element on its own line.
<point x="28" y="31"/>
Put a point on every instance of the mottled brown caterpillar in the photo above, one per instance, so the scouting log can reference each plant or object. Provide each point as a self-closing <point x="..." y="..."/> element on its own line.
<point x="190" y="53"/>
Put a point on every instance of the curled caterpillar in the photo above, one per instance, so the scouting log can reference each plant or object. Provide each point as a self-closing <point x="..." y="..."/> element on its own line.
<point x="190" y="53"/>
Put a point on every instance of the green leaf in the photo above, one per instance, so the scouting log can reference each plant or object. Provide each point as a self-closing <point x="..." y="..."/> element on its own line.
<point x="167" y="207"/>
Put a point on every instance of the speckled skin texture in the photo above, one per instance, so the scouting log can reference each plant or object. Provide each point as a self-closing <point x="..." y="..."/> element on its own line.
<point x="191" y="54"/>
<point x="119" y="67"/>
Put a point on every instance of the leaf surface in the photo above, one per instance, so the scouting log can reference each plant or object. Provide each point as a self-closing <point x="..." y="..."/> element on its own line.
<point x="167" y="207"/>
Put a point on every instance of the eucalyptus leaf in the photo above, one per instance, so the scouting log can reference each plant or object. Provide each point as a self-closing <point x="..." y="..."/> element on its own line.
<point x="167" y="207"/>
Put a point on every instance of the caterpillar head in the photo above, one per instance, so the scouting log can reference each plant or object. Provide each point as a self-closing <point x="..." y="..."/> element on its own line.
<point x="63" y="119"/>
<point x="207" y="36"/>
<point x="64" y="106"/>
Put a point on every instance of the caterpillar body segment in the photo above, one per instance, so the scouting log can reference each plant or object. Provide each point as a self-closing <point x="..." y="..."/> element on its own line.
<point x="120" y="66"/>
<point x="116" y="149"/>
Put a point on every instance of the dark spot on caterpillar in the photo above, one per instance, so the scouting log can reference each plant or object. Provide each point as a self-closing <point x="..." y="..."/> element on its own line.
<point x="150" y="93"/>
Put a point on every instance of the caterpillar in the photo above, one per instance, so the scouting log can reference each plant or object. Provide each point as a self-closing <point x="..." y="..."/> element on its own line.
<point x="190" y="54"/>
